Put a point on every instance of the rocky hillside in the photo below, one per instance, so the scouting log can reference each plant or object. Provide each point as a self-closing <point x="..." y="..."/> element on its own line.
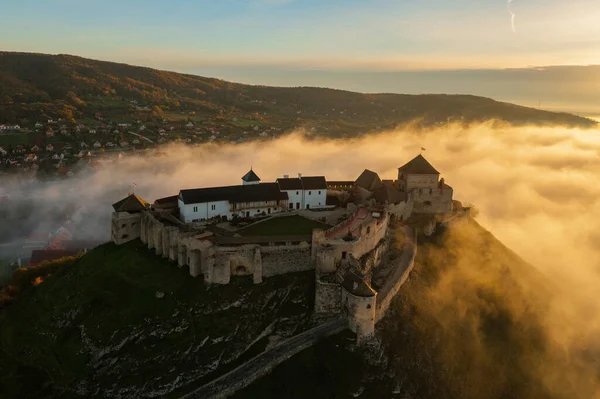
<point x="36" y="86"/>
<point x="122" y="322"/>
<point x="470" y="323"/>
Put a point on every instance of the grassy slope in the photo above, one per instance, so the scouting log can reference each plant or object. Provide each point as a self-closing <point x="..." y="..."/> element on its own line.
<point x="67" y="86"/>
<point x="287" y="225"/>
<point x="467" y="324"/>
<point x="98" y="325"/>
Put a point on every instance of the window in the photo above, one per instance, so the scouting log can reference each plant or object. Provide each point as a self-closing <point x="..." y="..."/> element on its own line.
<point x="297" y="192"/>
<point x="309" y="193"/>
<point x="124" y="236"/>
<point x="213" y="207"/>
<point x="291" y="205"/>
<point x="123" y="225"/>
<point x="319" y="193"/>
<point x="195" y="209"/>
<point x="368" y="306"/>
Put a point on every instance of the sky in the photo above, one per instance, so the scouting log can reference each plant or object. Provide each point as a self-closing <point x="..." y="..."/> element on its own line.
<point x="301" y="42"/>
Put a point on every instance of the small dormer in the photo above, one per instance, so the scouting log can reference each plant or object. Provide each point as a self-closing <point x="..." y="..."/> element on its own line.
<point x="250" y="178"/>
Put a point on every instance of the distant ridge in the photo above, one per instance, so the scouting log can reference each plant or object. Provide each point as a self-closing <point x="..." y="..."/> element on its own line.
<point x="37" y="85"/>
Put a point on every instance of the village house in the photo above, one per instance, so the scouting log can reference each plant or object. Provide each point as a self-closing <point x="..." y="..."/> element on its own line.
<point x="35" y="148"/>
<point x="97" y="144"/>
<point x="19" y="149"/>
<point x="6" y="128"/>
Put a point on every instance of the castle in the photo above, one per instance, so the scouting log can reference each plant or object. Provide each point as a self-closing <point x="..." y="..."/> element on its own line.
<point x="347" y="258"/>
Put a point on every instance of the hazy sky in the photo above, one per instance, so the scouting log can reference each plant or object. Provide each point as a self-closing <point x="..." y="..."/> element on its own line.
<point x="401" y="46"/>
<point x="340" y="34"/>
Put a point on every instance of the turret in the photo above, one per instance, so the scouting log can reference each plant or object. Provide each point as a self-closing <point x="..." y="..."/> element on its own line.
<point x="250" y="178"/>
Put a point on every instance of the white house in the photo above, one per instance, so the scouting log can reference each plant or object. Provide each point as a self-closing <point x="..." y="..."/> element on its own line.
<point x="49" y="147"/>
<point x="309" y="192"/>
<point x="97" y="144"/>
<point x="226" y="202"/>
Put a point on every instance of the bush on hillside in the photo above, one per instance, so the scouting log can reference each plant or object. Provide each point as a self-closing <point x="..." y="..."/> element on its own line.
<point x="24" y="278"/>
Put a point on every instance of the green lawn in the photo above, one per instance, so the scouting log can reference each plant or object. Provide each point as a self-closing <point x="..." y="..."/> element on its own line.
<point x="287" y="225"/>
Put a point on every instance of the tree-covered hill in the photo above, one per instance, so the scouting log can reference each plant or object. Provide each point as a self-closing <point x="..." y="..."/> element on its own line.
<point x="34" y="86"/>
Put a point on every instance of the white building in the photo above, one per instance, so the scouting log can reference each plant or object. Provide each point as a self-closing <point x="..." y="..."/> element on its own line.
<point x="245" y="200"/>
<point x="308" y="192"/>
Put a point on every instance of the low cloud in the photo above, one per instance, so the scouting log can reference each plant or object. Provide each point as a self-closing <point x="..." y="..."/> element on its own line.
<point x="537" y="189"/>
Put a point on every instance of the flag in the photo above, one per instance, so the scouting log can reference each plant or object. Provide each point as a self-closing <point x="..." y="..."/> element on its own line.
<point x="134" y="185"/>
<point x="422" y="149"/>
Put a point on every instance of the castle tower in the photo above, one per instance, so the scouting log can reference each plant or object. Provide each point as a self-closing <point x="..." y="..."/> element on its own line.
<point x="359" y="301"/>
<point x="250" y="178"/>
<point x="126" y="219"/>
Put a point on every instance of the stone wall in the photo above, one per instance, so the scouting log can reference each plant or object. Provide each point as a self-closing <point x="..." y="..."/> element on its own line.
<point x="125" y="227"/>
<point x="402" y="210"/>
<point x="328" y="297"/>
<point x="330" y="253"/>
<point x="404" y="266"/>
<point x="286" y="259"/>
<point x="432" y="200"/>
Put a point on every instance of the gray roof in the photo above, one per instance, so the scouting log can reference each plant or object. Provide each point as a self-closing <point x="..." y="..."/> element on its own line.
<point x="314" y="183"/>
<point x="303" y="183"/>
<point x="234" y="194"/>
<point x="290" y="184"/>
<point x="368" y="180"/>
<point x="250" y="176"/>
<point x="357" y="285"/>
<point x="389" y="193"/>
<point x="418" y="166"/>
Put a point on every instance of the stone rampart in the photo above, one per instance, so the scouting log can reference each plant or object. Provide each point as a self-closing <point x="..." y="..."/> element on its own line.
<point x="398" y="277"/>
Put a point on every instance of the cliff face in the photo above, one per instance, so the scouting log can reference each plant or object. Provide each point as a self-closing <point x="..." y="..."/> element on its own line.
<point x="471" y="322"/>
<point x="121" y="322"/>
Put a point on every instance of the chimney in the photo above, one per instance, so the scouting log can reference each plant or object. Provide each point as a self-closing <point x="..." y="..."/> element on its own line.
<point x="286" y="176"/>
<point x="299" y="175"/>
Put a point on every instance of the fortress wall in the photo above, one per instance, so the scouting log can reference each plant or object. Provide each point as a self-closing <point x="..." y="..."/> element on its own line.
<point x="328" y="297"/>
<point x="398" y="277"/>
<point x="125" y="227"/>
<point x="402" y="210"/>
<point x="440" y="200"/>
<point x="286" y="259"/>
